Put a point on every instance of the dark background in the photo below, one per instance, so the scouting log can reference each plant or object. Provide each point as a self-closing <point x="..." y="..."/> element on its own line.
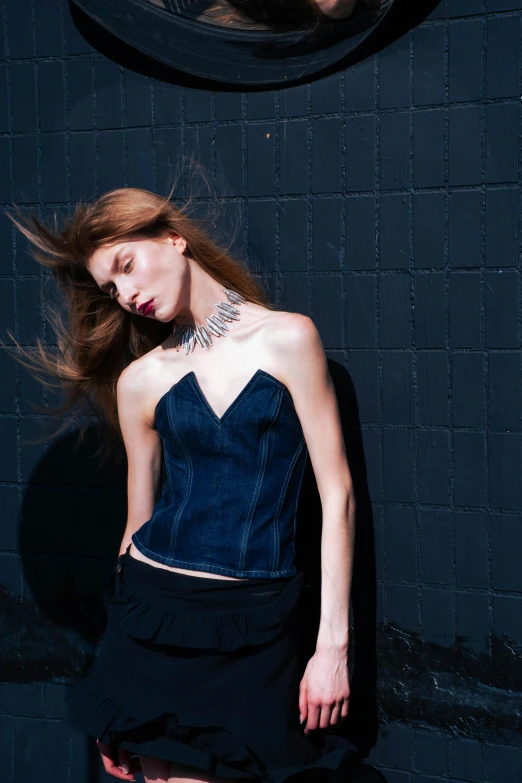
<point x="383" y="201"/>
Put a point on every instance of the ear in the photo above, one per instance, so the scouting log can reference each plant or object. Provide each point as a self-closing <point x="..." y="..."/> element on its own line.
<point x="179" y="243"/>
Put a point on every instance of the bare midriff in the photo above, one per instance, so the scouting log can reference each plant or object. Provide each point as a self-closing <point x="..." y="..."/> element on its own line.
<point x="137" y="555"/>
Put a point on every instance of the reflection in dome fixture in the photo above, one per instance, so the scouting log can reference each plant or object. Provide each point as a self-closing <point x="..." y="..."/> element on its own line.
<point x="275" y="15"/>
<point x="266" y="43"/>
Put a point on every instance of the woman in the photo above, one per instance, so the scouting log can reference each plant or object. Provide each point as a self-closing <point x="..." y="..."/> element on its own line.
<point x="280" y="15"/>
<point x="201" y="672"/>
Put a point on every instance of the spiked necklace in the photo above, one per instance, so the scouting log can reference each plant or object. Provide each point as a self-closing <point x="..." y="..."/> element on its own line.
<point x="186" y="335"/>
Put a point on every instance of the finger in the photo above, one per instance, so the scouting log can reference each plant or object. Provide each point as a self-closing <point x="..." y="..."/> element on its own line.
<point x="125" y="762"/>
<point x="324" y="719"/>
<point x="336" y="714"/>
<point x="303" y="703"/>
<point x="108" y="752"/>
<point x="314" y="712"/>
<point x="116" y="772"/>
<point x="345" y="708"/>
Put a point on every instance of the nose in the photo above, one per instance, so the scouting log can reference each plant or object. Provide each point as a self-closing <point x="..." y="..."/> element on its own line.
<point x="128" y="294"/>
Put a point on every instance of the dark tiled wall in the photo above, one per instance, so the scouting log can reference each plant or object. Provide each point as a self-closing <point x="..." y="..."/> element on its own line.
<point x="382" y="201"/>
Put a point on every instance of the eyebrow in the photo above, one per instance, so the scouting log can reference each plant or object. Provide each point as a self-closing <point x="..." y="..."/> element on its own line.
<point x="115" y="262"/>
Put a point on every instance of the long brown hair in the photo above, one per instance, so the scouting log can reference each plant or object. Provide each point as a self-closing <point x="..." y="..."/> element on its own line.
<point x="96" y="338"/>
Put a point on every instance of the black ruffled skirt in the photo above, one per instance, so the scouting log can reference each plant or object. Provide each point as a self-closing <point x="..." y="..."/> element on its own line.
<point x="205" y="672"/>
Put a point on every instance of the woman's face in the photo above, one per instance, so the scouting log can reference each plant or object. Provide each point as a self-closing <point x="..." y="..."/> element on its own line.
<point x="144" y="276"/>
<point x="336" y="9"/>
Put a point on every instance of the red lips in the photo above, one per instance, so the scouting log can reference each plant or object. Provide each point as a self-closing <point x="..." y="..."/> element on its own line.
<point x="146" y="307"/>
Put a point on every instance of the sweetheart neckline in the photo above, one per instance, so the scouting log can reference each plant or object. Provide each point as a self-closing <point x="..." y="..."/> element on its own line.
<point x="245" y="388"/>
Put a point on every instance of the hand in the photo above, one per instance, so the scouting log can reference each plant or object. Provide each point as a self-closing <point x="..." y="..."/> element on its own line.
<point x="109" y="753"/>
<point x="324" y="691"/>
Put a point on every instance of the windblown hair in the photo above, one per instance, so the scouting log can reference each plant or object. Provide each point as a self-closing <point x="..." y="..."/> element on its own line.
<point x="97" y="338"/>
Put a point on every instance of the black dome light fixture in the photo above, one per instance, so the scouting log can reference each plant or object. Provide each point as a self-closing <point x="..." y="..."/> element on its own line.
<point x="257" y="43"/>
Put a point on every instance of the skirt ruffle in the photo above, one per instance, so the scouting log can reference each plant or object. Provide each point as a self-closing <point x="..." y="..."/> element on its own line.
<point x="150" y="617"/>
<point x="205" y="672"/>
<point x="213" y="749"/>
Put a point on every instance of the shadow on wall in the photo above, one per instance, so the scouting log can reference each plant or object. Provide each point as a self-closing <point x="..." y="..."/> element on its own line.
<point x="70" y="527"/>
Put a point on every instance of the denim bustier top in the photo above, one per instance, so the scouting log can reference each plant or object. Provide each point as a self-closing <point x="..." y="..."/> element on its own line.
<point x="232" y="483"/>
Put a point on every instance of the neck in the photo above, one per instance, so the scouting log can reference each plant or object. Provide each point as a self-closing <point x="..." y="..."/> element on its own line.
<point x="203" y="293"/>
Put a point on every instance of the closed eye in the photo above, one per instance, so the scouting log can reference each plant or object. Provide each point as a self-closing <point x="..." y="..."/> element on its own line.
<point x="114" y="291"/>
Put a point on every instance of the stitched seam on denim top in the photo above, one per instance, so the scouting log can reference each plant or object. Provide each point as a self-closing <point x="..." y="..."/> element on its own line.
<point x="218" y="421"/>
<point x="159" y="511"/>
<point x="260" y="477"/>
<point x="169" y="506"/>
<point x="167" y="467"/>
<point x="206" y="406"/>
<point x="297" y="500"/>
<point x="175" y="524"/>
<point x="247" y="388"/>
<point x="282" y="494"/>
<point x="259" y="481"/>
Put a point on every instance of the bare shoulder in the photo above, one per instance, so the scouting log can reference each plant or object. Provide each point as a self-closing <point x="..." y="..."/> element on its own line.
<point x="290" y="333"/>
<point x="135" y="379"/>
<point x="297" y="348"/>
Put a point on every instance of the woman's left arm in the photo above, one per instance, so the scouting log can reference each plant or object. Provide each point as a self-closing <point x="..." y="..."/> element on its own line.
<point x="325" y="690"/>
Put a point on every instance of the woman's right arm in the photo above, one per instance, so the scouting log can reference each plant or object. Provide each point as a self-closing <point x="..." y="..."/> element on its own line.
<point x="143" y="447"/>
